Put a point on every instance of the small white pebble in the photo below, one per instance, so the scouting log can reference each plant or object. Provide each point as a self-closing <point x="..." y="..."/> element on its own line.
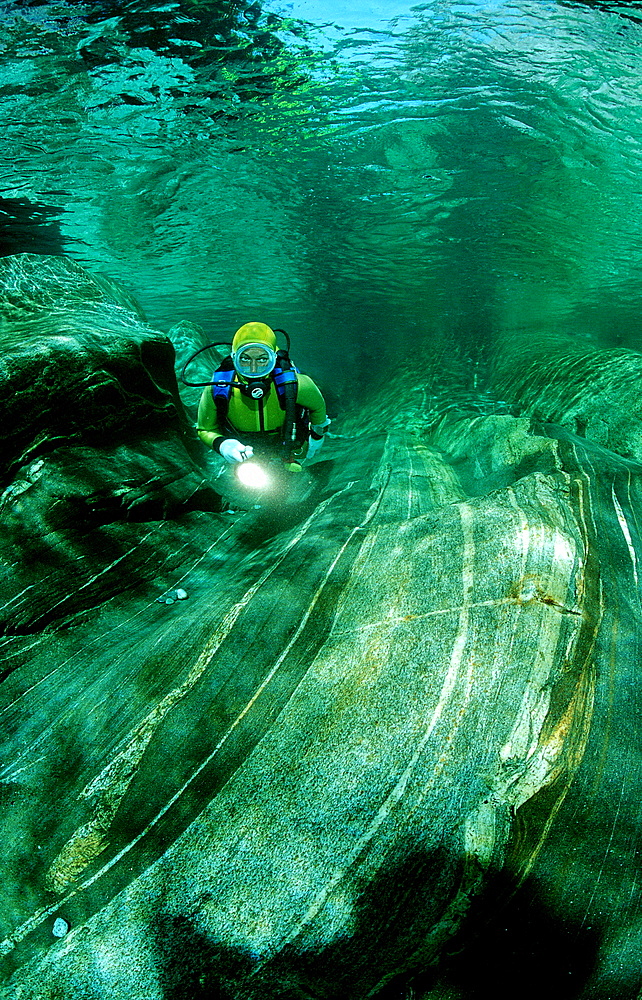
<point x="60" y="927"/>
<point x="169" y="600"/>
<point x="181" y="595"/>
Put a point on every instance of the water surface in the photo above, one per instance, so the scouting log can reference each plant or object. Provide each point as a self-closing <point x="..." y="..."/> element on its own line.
<point x="364" y="175"/>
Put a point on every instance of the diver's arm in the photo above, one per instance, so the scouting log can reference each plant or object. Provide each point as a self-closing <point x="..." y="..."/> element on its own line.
<point x="207" y="424"/>
<point x="210" y="433"/>
<point x="309" y="396"/>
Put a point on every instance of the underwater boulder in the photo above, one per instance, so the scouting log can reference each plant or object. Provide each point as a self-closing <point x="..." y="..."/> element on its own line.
<point x="95" y="441"/>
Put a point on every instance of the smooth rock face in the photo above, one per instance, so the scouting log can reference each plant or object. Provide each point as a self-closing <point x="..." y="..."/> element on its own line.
<point x="368" y="711"/>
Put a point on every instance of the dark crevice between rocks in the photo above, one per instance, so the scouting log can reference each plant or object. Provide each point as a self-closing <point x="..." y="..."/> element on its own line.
<point x="102" y="513"/>
<point x="506" y="475"/>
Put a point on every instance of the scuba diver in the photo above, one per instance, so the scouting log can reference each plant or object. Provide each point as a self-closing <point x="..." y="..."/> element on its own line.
<point x="259" y="402"/>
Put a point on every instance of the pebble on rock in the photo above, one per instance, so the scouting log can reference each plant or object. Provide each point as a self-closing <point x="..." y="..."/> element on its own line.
<point x="60" y="927"/>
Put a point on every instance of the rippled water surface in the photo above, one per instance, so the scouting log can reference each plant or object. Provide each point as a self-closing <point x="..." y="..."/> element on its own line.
<point x="362" y="174"/>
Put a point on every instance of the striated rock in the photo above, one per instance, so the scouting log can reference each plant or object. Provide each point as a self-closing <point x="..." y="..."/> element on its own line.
<point x="588" y="390"/>
<point x="96" y="444"/>
<point x="370" y="713"/>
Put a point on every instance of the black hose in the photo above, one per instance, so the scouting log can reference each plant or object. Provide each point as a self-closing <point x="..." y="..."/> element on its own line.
<point x="200" y="385"/>
<point x="287" y="337"/>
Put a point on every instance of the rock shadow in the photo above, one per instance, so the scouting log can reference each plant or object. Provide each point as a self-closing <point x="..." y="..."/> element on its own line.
<point x="508" y="943"/>
<point x="513" y="943"/>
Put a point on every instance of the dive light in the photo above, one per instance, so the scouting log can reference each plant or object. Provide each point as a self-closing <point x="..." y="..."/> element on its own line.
<point x="252" y="475"/>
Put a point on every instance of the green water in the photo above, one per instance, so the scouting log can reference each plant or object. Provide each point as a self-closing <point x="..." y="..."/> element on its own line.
<point x="364" y="175"/>
<point x="382" y="180"/>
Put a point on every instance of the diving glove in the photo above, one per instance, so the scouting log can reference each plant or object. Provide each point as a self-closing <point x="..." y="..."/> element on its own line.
<point x="316" y="437"/>
<point x="233" y="451"/>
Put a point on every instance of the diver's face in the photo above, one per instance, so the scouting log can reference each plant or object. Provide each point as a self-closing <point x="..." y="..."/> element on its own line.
<point x="255" y="361"/>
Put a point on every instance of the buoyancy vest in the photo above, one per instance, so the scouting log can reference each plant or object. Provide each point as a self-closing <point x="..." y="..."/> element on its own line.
<point x="284" y="378"/>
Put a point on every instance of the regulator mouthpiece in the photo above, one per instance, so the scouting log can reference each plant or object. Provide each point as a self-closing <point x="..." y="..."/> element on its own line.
<point x="252" y="475"/>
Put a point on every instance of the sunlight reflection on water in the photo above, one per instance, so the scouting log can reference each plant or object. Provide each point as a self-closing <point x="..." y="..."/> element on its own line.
<point x="376" y="167"/>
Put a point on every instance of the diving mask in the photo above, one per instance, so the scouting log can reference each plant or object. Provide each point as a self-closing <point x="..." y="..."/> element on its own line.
<point x="254" y="360"/>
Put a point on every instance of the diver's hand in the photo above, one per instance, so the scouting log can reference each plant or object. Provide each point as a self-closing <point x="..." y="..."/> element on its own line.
<point x="313" y="446"/>
<point x="233" y="451"/>
<point x="316" y="437"/>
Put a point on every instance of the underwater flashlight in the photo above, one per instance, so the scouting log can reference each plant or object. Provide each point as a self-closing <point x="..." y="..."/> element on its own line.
<point x="252" y="475"/>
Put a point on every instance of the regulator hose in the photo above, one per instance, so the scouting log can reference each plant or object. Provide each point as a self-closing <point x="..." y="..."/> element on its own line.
<point x="200" y="385"/>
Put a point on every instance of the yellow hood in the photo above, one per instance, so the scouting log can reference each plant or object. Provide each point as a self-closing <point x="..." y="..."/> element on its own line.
<point x="254" y="333"/>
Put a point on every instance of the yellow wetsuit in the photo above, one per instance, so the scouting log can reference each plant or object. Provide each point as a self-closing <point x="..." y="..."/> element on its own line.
<point x="264" y="417"/>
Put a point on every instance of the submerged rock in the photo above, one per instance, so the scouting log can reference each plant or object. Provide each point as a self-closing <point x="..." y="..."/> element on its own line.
<point x="96" y="444"/>
<point x="366" y="719"/>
